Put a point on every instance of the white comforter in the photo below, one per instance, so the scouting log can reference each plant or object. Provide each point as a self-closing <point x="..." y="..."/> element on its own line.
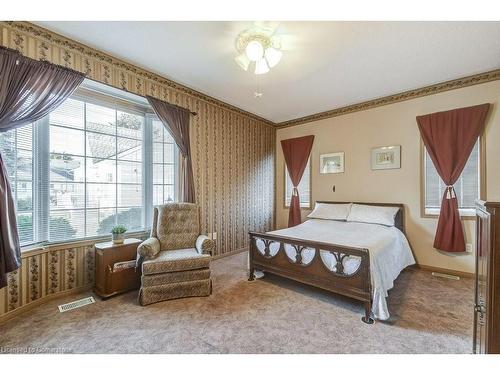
<point x="389" y="250"/>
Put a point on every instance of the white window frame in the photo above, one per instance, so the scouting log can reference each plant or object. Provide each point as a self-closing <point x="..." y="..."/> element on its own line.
<point x="465" y="213"/>
<point x="41" y="172"/>
<point x="177" y="166"/>
<point x="302" y="205"/>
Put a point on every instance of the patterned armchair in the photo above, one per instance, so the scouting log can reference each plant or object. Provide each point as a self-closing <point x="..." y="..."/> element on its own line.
<point x="175" y="260"/>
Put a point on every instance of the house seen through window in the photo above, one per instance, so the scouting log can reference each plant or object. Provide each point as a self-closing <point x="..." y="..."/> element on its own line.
<point x="88" y="166"/>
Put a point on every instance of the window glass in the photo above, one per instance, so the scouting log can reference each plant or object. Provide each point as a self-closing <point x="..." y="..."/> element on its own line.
<point x="103" y="179"/>
<point x="304" y="187"/>
<point x="164" y="165"/>
<point x="91" y="168"/>
<point x="466" y="188"/>
<point x="16" y="148"/>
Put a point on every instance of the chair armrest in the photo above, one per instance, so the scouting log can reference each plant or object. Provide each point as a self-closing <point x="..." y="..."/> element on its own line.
<point x="205" y="245"/>
<point x="149" y="249"/>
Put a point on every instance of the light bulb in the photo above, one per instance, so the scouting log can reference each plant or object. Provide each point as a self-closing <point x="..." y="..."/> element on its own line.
<point x="261" y="67"/>
<point x="254" y="50"/>
<point x="273" y="56"/>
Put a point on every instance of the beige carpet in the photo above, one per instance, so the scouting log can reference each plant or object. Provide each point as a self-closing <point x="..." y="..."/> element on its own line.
<point x="270" y="315"/>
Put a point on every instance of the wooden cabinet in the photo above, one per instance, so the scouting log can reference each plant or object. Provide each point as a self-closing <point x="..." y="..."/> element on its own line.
<point x="487" y="281"/>
<point x="110" y="278"/>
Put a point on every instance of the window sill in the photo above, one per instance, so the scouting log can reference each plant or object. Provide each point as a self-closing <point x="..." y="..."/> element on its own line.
<point x="35" y="249"/>
<point x="465" y="214"/>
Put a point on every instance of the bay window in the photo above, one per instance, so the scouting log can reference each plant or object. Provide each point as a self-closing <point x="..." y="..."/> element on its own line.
<point x="93" y="163"/>
<point x="165" y="161"/>
<point x="16" y="147"/>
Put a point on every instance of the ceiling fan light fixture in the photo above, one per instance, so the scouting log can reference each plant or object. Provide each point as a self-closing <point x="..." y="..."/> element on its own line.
<point x="273" y="56"/>
<point x="261" y="66"/>
<point x="258" y="45"/>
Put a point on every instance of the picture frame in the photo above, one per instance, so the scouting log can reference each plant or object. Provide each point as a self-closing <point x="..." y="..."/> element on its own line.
<point x="331" y="163"/>
<point x="387" y="157"/>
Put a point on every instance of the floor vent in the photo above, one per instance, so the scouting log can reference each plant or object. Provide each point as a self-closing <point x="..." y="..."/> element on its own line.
<point x="76" y="304"/>
<point x="445" y="275"/>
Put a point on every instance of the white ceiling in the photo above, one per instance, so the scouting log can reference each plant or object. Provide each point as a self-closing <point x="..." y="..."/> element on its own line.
<point x="326" y="65"/>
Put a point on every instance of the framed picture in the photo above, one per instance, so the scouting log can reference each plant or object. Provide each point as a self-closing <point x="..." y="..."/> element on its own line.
<point x="331" y="163"/>
<point x="388" y="157"/>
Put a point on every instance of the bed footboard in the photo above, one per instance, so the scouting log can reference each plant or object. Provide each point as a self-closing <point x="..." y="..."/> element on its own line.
<point x="339" y="269"/>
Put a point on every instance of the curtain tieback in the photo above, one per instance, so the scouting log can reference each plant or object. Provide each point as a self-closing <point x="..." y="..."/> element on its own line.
<point x="450" y="192"/>
<point x="295" y="191"/>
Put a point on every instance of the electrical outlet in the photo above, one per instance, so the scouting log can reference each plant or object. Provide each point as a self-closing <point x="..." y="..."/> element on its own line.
<point x="468" y="248"/>
<point x="214" y="235"/>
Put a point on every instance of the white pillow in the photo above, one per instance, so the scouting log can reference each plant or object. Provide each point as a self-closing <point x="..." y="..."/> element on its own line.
<point x="330" y="211"/>
<point x="373" y="214"/>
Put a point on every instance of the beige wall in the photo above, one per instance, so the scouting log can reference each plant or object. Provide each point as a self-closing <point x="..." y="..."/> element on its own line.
<point x="393" y="124"/>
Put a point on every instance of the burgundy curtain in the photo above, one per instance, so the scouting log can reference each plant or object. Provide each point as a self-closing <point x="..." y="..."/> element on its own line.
<point x="449" y="138"/>
<point x="296" y="152"/>
<point x="176" y="121"/>
<point x="29" y="90"/>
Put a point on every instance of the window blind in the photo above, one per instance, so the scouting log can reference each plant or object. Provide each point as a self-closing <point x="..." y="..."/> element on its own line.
<point x="467" y="186"/>
<point x="95" y="170"/>
<point x="164" y="165"/>
<point x="304" y="187"/>
<point x="82" y="169"/>
<point x="16" y="147"/>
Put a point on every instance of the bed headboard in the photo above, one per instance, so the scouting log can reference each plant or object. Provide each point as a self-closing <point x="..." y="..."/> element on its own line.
<point x="399" y="220"/>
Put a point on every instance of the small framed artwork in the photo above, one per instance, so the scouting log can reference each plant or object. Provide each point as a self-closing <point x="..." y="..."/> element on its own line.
<point x="388" y="157"/>
<point x="331" y="163"/>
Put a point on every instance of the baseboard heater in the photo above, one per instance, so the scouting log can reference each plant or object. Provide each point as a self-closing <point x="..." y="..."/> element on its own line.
<point x="76" y="304"/>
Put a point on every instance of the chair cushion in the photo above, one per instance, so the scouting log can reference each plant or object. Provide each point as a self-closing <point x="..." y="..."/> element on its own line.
<point x="197" y="288"/>
<point x="177" y="225"/>
<point x="176" y="260"/>
<point x="175" y="277"/>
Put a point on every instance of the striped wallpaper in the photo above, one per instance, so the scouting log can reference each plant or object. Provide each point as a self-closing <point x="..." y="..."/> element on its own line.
<point x="233" y="163"/>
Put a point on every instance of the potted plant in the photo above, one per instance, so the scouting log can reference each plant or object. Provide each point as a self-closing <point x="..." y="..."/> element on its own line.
<point x="118" y="234"/>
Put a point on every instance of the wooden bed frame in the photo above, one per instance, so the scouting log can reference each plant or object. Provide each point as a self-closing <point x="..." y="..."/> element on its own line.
<point x="356" y="285"/>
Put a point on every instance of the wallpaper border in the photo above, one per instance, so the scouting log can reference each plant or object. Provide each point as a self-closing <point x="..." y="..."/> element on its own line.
<point x="437" y="88"/>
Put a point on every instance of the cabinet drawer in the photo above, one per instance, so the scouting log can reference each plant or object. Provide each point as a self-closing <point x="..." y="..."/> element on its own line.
<point x="123" y="280"/>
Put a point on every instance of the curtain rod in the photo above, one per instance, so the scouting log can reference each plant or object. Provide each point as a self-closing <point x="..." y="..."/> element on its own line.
<point x="21" y="56"/>
<point x="174" y="105"/>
